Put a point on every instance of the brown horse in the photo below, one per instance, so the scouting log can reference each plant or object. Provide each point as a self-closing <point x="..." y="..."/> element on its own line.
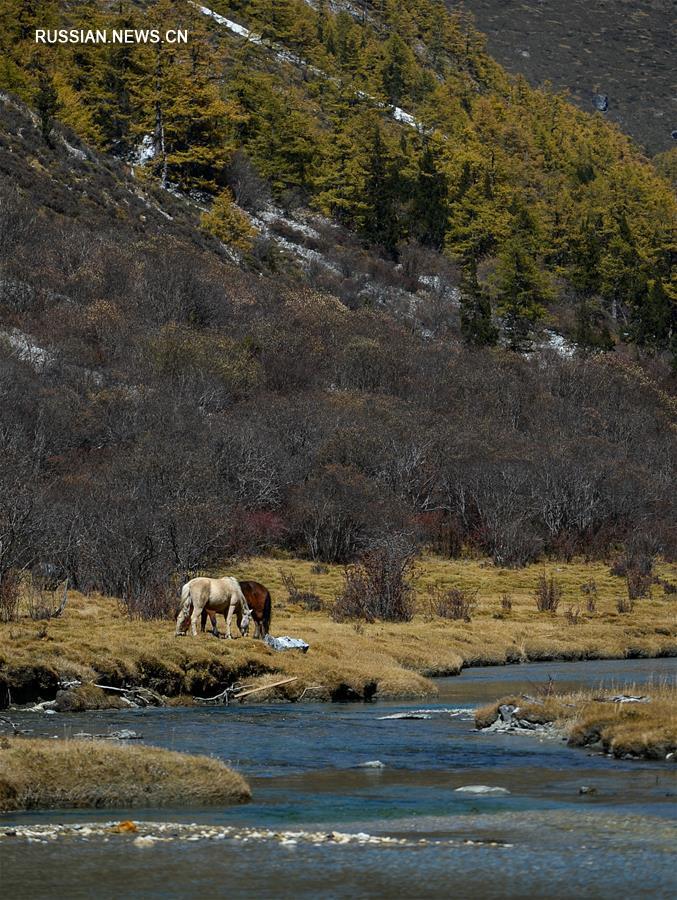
<point x="258" y="599"/>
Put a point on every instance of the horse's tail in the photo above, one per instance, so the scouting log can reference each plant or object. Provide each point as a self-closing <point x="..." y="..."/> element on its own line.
<point x="267" y="613"/>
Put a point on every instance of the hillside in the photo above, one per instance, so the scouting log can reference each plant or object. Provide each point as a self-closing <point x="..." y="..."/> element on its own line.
<point x="623" y="50"/>
<point x="312" y="287"/>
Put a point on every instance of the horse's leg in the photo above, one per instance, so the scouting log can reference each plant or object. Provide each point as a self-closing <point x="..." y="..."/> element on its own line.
<point x="229" y="618"/>
<point x="199" y="604"/>
<point x="212" y="618"/>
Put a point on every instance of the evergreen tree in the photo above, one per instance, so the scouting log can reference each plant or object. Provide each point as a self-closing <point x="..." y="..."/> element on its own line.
<point x="522" y="290"/>
<point x="477" y="327"/>
<point x="430" y="207"/>
<point x="398" y="70"/>
<point x="653" y="319"/>
<point x="46" y="104"/>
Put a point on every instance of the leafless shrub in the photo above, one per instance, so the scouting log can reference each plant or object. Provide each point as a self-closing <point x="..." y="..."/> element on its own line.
<point x="634" y="559"/>
<point x="43" y="602"/>
<point x="625" y="604"/>
<point x="453" y="603"/>
<point x="251" y="191"/>
<point x="572" y="615"/>
<point x="319" y="569"/>
<point x="506" y="603"/>
<point x="379" y="586"/>
<point x="548" y="593"/>
<point x="638" y="584"/>
<point x="155" y="600"/>
<point x="309" y="600"/>
<point x="9" y="597"/>
<point x="669" y="587"/>
<point x="590" y="591"/>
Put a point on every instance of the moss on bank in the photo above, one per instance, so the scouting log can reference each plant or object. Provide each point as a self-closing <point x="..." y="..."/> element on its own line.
<point x="45" y="774"/>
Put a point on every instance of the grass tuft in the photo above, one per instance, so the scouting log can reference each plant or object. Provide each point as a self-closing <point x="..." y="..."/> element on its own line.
<point x="48" y="774"/>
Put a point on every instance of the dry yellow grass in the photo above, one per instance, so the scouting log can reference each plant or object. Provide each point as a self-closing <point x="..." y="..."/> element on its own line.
<point x="95" y="641"/>
<point x="44" y="774"/>
<point x="589" y="718"/>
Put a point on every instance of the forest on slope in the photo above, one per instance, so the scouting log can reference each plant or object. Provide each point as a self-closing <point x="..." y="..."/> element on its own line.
<point x="175" y="389"/>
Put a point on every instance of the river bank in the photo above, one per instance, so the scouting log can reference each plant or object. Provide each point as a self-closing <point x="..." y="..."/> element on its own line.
<point x="641" y="724"/>
<point x="95" y="643"/>
<point x="306" y="765"/>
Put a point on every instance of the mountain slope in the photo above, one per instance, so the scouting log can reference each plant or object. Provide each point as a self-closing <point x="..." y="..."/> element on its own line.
<point x="273" y="323"/>
<point x="624" y="50"/>
<point x="397" y="124"/>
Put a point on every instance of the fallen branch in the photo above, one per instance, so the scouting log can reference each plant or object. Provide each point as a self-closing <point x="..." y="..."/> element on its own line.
<point x="264" y="687"/>
<point x="236" y="686"/>
<point x="140" y="693"/>
<point x="235" y="692"/>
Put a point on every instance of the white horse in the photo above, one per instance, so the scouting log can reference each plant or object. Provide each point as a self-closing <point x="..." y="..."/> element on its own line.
<point x="219" y="595"/>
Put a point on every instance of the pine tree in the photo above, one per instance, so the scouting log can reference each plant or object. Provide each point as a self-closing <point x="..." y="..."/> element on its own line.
<point x="430" y="207"/>
<point x="398" y="69"/>
<point x="653" y="318"/>
<point x="46" y="104"/>
<point x="522" y="290"/>
<point x="477" y="327"/>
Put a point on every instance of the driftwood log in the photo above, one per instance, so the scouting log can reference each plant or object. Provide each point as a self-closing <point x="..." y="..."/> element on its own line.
<point x="237" y="691"/>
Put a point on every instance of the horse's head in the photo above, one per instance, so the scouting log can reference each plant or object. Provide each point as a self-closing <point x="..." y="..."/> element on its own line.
<point x="244" y="626"/>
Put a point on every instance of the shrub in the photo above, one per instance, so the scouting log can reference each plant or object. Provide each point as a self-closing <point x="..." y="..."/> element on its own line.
<point x="319" y="569"/>
<point x="506" y="603"/>
<point x="669" y="587"/>
<point x="453" y="603"/>
<point x="44" y="603"/>
<point x="572" y="615"/>
<point x="625" y="604"/>
<point x="9" y="597"/>
<point x="638" y="584"/>
<point x="634" y="559"/>
<point x="309" y="600"/>
<point x="548" y="593"/>
<point x="379" y="586"/>
<point x="590" y="590"/>
<point x="154" y="600"/>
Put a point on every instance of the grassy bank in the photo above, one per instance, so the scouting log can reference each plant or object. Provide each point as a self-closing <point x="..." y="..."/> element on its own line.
<point x="95" y="641"/>
<point x="45" y="774"/>
<point x="646" y="730"/>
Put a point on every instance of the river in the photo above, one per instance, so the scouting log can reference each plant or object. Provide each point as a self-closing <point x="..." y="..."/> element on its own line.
<point x="305" y="766"/>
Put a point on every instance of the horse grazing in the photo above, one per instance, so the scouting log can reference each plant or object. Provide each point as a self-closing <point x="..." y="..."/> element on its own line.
<point x="218" y="595"/>
<point x="258" y="599"/>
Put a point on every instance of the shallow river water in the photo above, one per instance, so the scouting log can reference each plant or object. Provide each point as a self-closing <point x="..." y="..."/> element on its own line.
<point x="305" y="766"/>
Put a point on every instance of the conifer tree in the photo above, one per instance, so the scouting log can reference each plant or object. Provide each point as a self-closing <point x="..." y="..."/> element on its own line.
<point x="477" y="327"/>
<point x="430" y="207"/>
<point x="46" y="104"/>
<point x="522" y="291"/>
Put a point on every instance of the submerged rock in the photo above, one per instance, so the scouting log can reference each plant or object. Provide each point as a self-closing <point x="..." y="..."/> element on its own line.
<point x="371" y="764"/>
<point x="407" y="715"/>
<point x="481" y="789"/>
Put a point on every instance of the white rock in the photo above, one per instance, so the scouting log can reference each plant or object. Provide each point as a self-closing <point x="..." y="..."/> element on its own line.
<point x="481" y="789"/>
